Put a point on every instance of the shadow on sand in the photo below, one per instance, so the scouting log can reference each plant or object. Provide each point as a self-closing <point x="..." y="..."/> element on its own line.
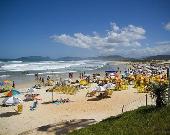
<point x="62" y="127"/>
<point x="8" y="114"/>
<point x="49" y="102"/>
<point x="3" y="96"/>
<point x="97" y="98"/>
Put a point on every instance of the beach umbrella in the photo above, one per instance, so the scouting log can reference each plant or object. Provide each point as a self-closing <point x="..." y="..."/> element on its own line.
<point x="109" y="85"/>
<point x="100" y="88"/>
<point x="11" y="101"/>
<point x="12" y="93"/>
<point x="31" y="90"/>
<point x="83" y="82"/>
<point x="7" y="81"/>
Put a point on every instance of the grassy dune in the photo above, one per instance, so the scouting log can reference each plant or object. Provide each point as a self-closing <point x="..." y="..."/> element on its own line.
<point x="142" y="121"/>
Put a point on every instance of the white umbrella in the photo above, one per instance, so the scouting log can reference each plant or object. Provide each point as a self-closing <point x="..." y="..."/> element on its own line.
<point x="11" y="101"/>
<point x="31" y="90"/>
<point x="100" y="88"/>
<point x="112" y="74"/>
<point x="109" y="85"/>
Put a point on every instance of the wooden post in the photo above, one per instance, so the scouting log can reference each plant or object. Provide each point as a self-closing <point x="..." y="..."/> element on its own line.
<point x="122" y="108"/>
<point x="52" y="96"/>
<point x="146" y="99"/>
<point x="168" y="76"/>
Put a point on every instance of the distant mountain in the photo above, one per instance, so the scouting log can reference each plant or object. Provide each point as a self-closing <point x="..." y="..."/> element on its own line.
<point x="69" y="59"/>
<point x="157" y="57"/>
<point x="29" y="58"/>
<point x="110" y="57"/>
<point x="34" y="58"/>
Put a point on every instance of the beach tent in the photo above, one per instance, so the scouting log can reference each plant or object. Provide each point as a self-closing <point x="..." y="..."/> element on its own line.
<point x="110" y="71"/>
<point x="11" y="101"/>
<point x="12" y="93"/>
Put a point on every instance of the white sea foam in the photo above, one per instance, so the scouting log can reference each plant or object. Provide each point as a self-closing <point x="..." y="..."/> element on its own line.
<point x="50" y="65"/>
<point x="4" y="76"/>
<point x="2" y="71"/>
<point x="15" y="61"/>
<point x="30" y="74"/>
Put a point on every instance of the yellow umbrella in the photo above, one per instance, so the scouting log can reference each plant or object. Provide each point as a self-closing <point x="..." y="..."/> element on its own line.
<point x="83" y="82"/>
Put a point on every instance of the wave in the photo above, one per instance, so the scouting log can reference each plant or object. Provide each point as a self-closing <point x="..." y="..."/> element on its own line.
<point x="4" y="76"/>
<point x="51" y="65"/>
<point x="15" y="61"/>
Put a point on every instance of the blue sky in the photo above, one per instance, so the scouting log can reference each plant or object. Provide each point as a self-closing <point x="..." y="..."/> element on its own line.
<point x="58" y="28"/>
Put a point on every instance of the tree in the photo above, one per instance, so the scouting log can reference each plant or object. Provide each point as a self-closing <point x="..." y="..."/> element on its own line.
<point x="159" y="91"/>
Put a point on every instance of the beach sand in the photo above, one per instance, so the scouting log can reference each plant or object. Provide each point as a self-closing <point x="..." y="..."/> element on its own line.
<point x="50" y="118"/>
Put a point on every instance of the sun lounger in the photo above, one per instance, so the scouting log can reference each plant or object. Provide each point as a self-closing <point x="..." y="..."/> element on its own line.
<point x="91" y="94"/>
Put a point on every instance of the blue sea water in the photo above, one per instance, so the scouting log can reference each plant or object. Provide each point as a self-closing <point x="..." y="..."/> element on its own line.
<point x="25" y="71"/>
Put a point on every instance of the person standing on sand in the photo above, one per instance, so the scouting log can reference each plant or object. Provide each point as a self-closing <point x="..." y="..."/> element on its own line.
<point x="43" y="80"/>
<point x="13" y="84"/>
<point x="80" y="75"/>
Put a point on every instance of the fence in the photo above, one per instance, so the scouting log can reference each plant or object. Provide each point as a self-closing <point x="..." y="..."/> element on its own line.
<point x="134" y="104"/>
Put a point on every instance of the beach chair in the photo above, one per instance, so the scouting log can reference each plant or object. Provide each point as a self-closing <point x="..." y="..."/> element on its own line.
<point x="34" y="106"/>
<point x="107" y="93"/>
<point x="19" y="108"/>
<point x="91" y="94"/>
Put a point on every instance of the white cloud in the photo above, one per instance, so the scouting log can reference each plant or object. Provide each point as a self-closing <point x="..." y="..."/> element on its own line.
<point x="121" y="41"/>
<point x="167" y="26"/>
<point x="156" y="49"/>
<point x="115" y="38"/>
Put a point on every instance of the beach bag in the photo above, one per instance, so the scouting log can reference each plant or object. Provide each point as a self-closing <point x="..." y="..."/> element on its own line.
<point x="19" y="108"/>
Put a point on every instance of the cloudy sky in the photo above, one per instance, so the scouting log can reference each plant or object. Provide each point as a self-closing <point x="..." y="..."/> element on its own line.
<point x="58" y="28"/>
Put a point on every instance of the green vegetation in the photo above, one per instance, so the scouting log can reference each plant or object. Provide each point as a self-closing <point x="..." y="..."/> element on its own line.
<point x="142" y="121"/>
<point x="159" y="90"/>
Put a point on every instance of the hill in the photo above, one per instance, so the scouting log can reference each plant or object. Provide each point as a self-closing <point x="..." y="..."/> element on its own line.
<point x="110" y="58"/>
<point x="142" y="121"/>
<point x="29" y="58"/>
<point x="33" y="58"/>
<point x="158" y="57"/>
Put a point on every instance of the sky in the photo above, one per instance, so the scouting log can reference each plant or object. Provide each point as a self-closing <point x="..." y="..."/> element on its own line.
<point x="84" y="28"/>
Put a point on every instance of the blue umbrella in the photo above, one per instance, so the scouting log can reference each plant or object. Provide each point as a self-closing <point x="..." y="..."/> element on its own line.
<point x="15" y="92"/>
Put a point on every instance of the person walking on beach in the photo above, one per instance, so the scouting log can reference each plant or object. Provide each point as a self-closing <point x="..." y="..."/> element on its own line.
<point x="48" y="78"/>
<point x="13" y="84"/>
<point x="43" y="80"/>
<point x="80" y="76"/>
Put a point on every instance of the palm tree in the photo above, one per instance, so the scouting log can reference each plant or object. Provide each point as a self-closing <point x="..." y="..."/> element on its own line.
<point x="159" y="91"/>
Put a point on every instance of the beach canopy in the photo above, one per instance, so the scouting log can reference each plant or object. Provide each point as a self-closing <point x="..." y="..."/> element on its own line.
<point x="11" y="101"/>
<point x="12" y="92"/>
<point x="110" y="71"/>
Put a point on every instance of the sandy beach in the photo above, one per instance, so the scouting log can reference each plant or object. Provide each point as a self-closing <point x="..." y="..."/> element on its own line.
<point x="81" y="110"/>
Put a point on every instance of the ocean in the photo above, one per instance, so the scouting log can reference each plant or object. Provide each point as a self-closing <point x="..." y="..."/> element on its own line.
<point x="20" y="71"/>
